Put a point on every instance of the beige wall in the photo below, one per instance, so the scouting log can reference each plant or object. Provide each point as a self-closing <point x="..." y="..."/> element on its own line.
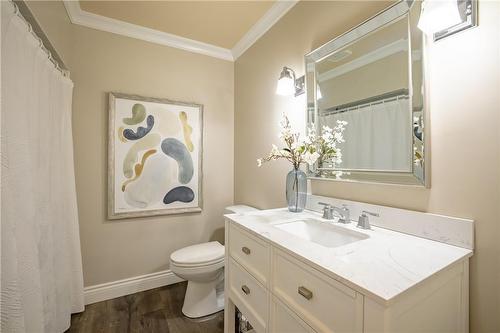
<point x="52" y="17"/>
<point x="103" y="62"/>
<point x="465" y="126"/>
<point x="355" y="85"/>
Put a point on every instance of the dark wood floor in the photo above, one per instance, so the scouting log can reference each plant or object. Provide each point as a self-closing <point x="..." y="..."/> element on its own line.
<point x="153" y="311"/>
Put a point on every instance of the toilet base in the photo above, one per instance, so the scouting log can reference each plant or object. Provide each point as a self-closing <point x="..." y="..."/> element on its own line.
<point x="203" y="298"/>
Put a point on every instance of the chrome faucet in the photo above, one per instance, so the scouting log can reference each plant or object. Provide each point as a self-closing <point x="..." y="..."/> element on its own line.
<point x="364" y="220"/>
<point x="345" y="215"/>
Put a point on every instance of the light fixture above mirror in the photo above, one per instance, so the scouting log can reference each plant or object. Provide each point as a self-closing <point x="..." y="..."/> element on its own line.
<point x="288" y="85"/>
<point x="442" y="18"/>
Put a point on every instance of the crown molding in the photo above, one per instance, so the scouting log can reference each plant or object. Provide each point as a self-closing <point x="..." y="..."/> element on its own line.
<point x="98" y="22"/>
<point x="277" y="11"/>
<point x="103" y="23"/>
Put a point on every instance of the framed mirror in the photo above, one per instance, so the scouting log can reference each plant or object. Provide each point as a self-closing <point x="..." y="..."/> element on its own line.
<point x="372" y="77"/>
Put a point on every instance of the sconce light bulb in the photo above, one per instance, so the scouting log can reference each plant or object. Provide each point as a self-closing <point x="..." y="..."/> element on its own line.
<point x="286" y="83"/>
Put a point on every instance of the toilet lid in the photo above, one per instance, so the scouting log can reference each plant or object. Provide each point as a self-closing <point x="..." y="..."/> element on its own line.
<point x="204" y="253"/>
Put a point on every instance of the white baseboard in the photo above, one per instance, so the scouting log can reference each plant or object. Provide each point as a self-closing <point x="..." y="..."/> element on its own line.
<point x="110" y="290"/>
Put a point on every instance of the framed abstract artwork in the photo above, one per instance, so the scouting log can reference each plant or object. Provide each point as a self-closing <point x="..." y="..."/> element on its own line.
<point x="154" y="156"/>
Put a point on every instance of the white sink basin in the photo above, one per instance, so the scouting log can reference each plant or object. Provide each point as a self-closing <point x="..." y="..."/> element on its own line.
<point x="322" y="233"/>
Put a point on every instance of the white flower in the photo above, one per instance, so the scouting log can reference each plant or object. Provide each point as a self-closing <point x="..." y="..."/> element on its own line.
<point x="307" y="140"/>
<point x="310" y="158"/>
<point x="332" y="145"/>
<point x="311" y="130"/>
<point x="327" y="136"/>
<point x="259" y="162"/>
<point x="338" y="137"/>
<point x="340" y="126"/>
<point x="285" y="133"/>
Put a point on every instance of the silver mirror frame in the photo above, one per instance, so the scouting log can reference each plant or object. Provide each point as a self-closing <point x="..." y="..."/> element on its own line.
<point x="371" y="25"/>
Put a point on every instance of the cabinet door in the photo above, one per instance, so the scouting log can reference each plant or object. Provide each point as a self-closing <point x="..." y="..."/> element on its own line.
<point x="283" y="320"/>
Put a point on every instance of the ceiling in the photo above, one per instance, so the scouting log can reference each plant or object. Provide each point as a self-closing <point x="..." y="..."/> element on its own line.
<point x="219" y="23"/>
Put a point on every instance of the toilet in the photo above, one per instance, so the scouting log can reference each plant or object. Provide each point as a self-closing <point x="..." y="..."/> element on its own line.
<point x="202" y="265"/>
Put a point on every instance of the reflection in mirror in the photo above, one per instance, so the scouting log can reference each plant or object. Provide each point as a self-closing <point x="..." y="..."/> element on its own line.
<point x="371" y="78"/>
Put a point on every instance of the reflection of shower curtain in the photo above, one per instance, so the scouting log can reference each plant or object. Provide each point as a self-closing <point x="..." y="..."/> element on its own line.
<point x="378" y="136"/>
<point x="41" y="272"/>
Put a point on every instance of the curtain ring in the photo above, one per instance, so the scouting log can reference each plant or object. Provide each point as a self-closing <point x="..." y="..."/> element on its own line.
<point x="16" y="8"/>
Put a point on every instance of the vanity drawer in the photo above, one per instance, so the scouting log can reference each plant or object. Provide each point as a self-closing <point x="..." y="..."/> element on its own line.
<point x="249" y="296"/>
<point x="324" y="303"/>
<point x="284" y="320"/>
<point x="250" y="252"/>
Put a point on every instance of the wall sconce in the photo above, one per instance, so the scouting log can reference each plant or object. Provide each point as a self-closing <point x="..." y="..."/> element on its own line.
<point x="288" y="84"/>
<point x="442" y="18"/>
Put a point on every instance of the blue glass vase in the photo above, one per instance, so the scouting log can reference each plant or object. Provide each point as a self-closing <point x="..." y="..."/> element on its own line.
<point x="296" y="190"/>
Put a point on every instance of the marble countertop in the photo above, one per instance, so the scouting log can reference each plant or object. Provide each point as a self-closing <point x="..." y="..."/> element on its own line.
<point x="382" y="266"/>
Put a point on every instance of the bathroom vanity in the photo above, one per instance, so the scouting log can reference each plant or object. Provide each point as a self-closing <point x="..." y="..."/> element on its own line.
<point x="297" y="272"/>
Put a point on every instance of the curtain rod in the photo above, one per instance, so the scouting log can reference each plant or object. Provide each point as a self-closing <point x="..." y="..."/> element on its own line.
<point x="22" y="11"/>
<point x="368" y="100"/>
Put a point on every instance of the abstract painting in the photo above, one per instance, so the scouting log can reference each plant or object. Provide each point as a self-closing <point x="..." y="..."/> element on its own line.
<point x="155" y="156"/>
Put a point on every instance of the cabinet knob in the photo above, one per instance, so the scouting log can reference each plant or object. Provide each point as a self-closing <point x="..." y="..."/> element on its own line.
<point x="306" y="293"/>
<point x="245" y="250"/>
<point x="245" y="289"/>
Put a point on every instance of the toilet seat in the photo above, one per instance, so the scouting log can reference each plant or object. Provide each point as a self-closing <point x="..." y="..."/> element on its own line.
<point x="205" y="254"/>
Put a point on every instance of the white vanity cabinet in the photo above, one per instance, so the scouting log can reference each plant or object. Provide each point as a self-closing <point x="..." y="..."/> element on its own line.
<point x="279" y="291"/>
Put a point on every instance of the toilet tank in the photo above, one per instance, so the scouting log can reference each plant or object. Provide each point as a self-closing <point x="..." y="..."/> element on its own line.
<point x="239" y="209"/>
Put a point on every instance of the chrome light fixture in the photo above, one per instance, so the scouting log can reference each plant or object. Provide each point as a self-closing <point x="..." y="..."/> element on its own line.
<point x="287" y="83"/>
<point x="442" y="18"/>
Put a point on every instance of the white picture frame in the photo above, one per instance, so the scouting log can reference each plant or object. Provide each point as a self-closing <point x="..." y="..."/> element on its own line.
<point x="155" y="152"/>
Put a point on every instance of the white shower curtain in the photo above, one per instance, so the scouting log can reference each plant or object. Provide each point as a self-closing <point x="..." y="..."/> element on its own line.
<point x="377" y="136"/>
<point x="41" y="271"/>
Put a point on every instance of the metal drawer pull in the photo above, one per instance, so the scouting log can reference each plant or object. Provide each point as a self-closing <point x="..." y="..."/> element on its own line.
<point x="245" y="250"/>
<point x="306" y="293"/>
<point x="245" y="289"/>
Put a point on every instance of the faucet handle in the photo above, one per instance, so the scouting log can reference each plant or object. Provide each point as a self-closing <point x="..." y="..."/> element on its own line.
<point x="370" y="213"/>
<point x="327" y="210"/>
<point x="364" y="221"/>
